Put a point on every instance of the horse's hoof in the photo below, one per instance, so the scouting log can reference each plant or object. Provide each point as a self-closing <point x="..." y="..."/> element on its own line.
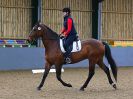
<point x="114" y="86"/>
<point x="69" y="85"/>
<point x="81" y="89"/>
<point x="38" y="88"/>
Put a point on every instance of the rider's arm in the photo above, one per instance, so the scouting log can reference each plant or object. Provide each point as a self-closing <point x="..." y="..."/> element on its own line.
<point x="63" y="30"/>
<point x="69" y="25"/>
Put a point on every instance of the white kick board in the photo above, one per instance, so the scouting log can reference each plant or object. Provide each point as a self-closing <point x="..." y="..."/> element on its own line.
<point x="42" y="70"/>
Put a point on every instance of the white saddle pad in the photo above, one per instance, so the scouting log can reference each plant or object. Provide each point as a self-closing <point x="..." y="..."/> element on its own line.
<point x="76" y="46"/>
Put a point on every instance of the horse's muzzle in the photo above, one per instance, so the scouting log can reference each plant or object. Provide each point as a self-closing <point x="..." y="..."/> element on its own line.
<point x="29" y="40"/>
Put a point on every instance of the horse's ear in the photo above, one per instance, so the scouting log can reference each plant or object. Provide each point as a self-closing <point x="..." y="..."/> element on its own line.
<point x="38" y="22"/>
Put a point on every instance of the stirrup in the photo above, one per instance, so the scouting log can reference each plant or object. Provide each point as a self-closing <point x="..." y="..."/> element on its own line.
<point x="68" y="60"/>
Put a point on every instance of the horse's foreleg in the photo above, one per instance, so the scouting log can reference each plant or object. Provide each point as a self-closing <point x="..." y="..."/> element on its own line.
<point x="47" y="68"/>
<point x="58" y="75"/>
<point x="106" y="70"/>
<point x="91" y="73"/>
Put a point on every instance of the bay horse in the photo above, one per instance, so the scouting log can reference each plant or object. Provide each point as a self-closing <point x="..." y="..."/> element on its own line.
<point x="92" y="49"/>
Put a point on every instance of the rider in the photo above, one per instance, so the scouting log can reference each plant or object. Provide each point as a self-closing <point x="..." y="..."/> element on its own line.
<point x="69" y="32"/>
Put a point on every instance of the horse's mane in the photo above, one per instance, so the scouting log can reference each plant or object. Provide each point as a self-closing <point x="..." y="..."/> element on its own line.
<point x="51" y="33"/>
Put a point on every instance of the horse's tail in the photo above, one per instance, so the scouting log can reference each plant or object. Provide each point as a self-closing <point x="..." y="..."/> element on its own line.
<point x="110" y="60"/>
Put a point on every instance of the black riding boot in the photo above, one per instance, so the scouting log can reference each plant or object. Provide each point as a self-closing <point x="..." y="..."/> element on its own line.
<point x="67" y="58"/>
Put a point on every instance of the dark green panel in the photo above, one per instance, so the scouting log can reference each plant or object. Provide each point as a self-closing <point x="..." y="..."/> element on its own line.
<point x="95" y="19"/>
<point x="34" y="12"/>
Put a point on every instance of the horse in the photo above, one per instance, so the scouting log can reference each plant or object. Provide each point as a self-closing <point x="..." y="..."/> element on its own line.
<point x="92" y="49"/>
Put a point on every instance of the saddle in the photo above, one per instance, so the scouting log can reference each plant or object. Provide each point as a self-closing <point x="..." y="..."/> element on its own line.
<point x="75" y="47"/>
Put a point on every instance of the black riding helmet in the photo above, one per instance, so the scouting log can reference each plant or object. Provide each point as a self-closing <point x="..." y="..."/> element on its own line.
<point x="66" y="10"/>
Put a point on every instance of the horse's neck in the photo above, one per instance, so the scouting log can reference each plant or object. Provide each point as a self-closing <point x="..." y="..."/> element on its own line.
<point x="50" y="39"/>
<point x="50" y="34"/>
<point x="49" y="44"/>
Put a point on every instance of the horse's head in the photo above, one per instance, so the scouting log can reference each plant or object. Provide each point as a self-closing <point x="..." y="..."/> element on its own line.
<point x="36" y="32"/>
<point x="41" y="30"/>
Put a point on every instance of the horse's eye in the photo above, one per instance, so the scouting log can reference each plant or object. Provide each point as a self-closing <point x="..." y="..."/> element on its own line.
<point x="34" y="29"/>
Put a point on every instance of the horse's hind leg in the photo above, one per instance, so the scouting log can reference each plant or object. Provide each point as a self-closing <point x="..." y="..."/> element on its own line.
<point x="58" y="75"/>
<point x="91" y="73"/>
<point x="106" y="70"/>
<point x="47" y="68"/>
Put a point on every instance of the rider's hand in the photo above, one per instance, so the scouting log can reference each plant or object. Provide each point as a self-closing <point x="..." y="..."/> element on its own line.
<point x="61" y="35"/>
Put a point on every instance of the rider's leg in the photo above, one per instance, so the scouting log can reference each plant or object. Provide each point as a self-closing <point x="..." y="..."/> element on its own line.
<point x="67" y="54"/>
